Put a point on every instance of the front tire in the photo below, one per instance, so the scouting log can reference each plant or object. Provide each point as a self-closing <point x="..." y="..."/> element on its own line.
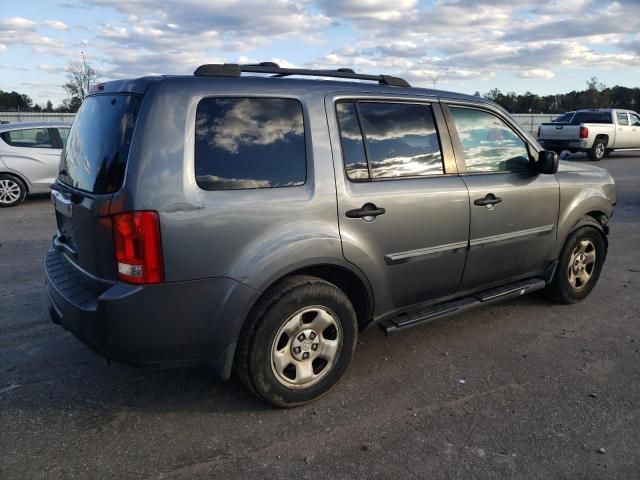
<point x="12" y="191"/>
<point x="299" y="341"/>
<point x="598" y="150"/>
<point x="579" y="266"/>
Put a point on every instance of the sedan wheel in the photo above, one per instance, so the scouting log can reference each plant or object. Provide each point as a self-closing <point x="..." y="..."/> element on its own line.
<point x="12" y="191"/>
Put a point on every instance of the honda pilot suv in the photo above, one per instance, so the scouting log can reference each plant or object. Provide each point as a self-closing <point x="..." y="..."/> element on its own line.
<point x="257" y="223"/>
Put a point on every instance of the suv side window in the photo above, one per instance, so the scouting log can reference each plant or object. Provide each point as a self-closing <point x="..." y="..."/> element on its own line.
<point x="243" y="143"/>
<point x="353" y="152"/>
<point x="400" y="140"/>
<point x="488" y="143"/>
<point x="31" y="137"/>
<point x="622" y="118"/>
<point x="635" y="119"/>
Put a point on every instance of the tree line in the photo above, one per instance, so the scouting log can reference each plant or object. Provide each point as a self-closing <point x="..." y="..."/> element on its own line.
<point x="596" y="95"/>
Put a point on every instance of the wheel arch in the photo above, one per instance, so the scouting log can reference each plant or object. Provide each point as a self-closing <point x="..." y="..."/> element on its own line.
<point x="594" y="218"/>
<point x="603" y="136"/>
<point x="352" y="282"/>
<point x="20" y="177"/>
<point x="346" y="277"/>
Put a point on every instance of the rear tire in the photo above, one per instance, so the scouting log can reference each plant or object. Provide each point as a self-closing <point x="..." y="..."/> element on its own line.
<point x="597" y="150"/>
<point x="12" y="191"/>
<point x="579" y="266"/>
<point x="299" y="341"/>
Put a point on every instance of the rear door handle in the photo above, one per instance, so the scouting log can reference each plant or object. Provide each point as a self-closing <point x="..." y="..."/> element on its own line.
<point x="367" y="210"/>
<point x="489" y="200"/>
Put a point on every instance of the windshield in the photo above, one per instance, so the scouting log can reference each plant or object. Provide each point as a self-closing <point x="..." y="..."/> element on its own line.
<point x="97" y="148"/>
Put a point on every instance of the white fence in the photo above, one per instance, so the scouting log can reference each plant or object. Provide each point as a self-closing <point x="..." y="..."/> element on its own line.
<point x="531" y="121"/>
<point x="13" y="117"/>
<point x="528" y="121"/>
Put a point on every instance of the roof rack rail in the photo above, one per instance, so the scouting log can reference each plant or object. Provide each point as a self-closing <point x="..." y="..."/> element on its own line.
<point x="235" y="70"/>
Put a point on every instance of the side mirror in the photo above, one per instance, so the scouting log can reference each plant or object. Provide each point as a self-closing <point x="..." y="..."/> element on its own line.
<point x="547" y="162"/>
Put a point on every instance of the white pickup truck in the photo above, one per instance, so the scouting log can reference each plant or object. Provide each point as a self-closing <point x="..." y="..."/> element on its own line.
<point x="597" y="132"/>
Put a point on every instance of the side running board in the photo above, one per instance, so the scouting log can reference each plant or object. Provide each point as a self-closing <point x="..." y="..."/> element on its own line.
<point x="433" y="312"/>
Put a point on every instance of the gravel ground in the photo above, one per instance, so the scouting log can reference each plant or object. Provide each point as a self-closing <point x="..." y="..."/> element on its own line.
<point x="523" y="389"/>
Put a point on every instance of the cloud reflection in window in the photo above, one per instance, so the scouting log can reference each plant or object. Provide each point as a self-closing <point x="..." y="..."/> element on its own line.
<point x="489" y="145"/>
<point x="249" y="143"/>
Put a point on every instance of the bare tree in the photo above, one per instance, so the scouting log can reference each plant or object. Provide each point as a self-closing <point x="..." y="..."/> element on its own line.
<point x="81" y="76"/>
<point x="437" y="75"/>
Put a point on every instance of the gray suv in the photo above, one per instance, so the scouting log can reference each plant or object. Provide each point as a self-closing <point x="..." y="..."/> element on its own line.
<point x="258" y="222"/>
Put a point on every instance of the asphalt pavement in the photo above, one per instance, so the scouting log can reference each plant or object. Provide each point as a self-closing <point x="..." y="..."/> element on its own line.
<point x="522" y="389"/>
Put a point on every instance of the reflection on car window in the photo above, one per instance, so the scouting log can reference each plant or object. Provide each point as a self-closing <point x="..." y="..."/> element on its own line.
<point x="31" y="137"/>
<point x="64" y="134"/>
<point x="622" y="118"/>
<point x="353" y="153"/>
<point x="565" y="117"/>
<point x="249" y="143"/>
<point x="488" y="144"/>
<point x="401" y="139"/>
<point x="635" y="119"/>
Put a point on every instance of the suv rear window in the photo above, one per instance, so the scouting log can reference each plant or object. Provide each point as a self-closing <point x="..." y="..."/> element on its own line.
<point x="591" y="117"/>
<point x="243" y="143"/>
<point x="95" y="156"/>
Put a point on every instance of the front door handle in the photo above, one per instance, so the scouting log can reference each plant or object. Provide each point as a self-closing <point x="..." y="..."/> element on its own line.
<point x="367" y="210"/>
<point x="489" y="200"/>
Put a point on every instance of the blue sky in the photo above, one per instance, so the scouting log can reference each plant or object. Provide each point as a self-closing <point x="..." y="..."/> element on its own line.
<point x="543" y="47"/>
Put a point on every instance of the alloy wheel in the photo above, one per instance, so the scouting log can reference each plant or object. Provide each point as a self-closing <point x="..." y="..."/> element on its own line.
<point x="306" y="347"/>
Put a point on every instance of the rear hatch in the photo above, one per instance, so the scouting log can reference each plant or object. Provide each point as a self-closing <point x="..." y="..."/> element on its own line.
<point x="92" y="168"/>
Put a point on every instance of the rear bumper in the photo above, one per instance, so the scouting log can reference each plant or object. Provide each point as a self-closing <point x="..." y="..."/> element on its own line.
<point x="173" y="323"/>
<point x="565" y="144"/>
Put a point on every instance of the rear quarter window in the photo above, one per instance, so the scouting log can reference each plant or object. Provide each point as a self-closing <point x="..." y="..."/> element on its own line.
<point x="30" y="137"/>
<point x="246" y="143"/>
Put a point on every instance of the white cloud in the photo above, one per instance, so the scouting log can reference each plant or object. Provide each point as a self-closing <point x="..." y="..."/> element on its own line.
<point x="535" y="73"/>
<point x="17" y="23"/>
<point x="55" y="25"/>
<point x="366" y="10"/>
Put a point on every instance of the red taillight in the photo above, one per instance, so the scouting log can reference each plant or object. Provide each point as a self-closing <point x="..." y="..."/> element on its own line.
<point x="138" y="247"/>
<point x="538" y="132"/>
<point x="584" y="132"/>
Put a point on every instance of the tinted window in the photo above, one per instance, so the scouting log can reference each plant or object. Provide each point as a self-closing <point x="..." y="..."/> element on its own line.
<point x="353" y="153"/>
<point x="249" y="143"/>
<point x="64" y="134"/>
<point x="32" y="137"/>
<point x="591" y="117"/>
<point x="635" y="119"/>
<point x="401" y="139"/>
<point x="564" y="118"/>
<point x="489" y="144"/>
<point x="97" y="148"/>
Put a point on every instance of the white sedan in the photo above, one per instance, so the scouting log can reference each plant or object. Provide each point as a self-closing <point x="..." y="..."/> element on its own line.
<point x="29" y="158"/>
